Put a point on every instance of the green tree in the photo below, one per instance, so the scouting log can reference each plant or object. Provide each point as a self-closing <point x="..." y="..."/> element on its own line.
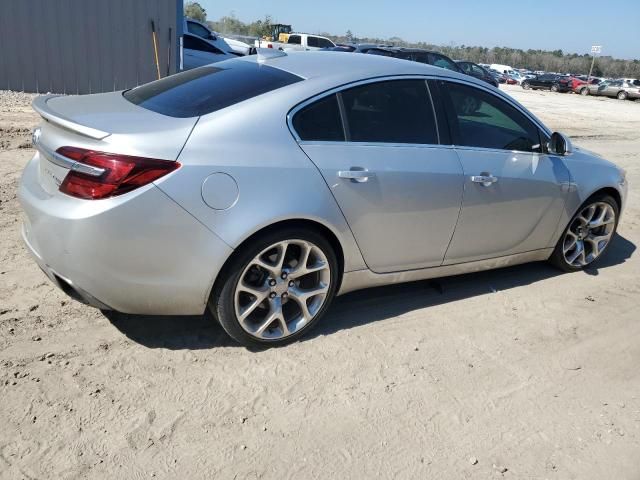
<point x="194" y="10"/>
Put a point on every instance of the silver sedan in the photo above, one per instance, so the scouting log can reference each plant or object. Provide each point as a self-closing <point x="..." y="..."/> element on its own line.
<point x="261" y="187"/>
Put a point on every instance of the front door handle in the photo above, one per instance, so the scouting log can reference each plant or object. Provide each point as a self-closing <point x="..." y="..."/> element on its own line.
<point x="359" y="176"/>
<point x="486" y="179"/>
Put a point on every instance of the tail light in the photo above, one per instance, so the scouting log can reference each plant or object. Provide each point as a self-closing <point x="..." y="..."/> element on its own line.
<point x="112" y="174"/>
<point x="269" y="45"/>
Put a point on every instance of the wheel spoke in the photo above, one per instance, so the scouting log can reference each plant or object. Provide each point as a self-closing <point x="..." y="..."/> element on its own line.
<point x="275" y="313"/>
<point x="304" y="295"/>
<point x="576" y="253"/>
<point x="282" y="253"/>
<point x="595" y="241"/>
<point x="573" y="239"/>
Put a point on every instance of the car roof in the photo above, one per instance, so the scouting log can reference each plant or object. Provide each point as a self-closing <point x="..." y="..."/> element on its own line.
<point x="327" y="64"/>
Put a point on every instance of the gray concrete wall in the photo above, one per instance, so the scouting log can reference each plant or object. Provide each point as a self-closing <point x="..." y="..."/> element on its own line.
<point x="85" y="46"/>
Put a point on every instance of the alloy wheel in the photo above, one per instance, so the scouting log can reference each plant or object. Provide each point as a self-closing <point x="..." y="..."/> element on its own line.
<point x="282" y="289"/>
<point x="589" y="234"/>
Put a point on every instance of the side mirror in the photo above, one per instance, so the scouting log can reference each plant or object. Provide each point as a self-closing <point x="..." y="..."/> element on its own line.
<point x="559" y="144"/>
<point x="212" y="37"/>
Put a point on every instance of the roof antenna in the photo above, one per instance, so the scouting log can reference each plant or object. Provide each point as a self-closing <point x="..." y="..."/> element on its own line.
<point x="265" y="54"/>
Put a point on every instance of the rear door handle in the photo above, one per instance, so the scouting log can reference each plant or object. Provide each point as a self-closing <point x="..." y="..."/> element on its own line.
<point x="359" y="176"/>
<point x="486" y="179"/>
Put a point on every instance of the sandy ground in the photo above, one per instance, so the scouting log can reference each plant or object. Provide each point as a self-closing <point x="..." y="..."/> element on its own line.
<point x="519" y="373"/>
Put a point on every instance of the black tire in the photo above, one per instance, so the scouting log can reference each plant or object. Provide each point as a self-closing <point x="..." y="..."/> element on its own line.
<point x="221" y="302"/>
<point x="554" y="88"/>
<point x="557" y="257"/>
<point x="584" y="91"/>
<point x="526" y="85"/>
<point x="622" y="95"/>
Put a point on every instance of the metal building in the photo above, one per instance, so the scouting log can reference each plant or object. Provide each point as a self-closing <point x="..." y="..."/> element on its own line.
<point x="87" y="46"/>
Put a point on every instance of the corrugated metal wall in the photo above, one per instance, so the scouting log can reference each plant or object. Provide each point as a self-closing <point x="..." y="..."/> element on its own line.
<point x="85" y="46"/>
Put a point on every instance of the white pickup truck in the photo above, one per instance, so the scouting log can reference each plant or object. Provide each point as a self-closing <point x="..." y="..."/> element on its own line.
<point x="298" y="41"/>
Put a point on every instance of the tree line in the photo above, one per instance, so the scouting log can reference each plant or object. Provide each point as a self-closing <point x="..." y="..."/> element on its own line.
<point x="549" y="61"/>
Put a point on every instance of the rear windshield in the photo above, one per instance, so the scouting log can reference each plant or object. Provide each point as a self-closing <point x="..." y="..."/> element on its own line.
<point x="207" y="89"/>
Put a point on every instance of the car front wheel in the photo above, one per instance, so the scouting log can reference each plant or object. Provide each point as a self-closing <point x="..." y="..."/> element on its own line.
<point x="526" y="85"/>
<point x="584" y="91"/>
<point x="275" y="288"/>
<point x="588" y="234"/>
<point x="554" y="88"/>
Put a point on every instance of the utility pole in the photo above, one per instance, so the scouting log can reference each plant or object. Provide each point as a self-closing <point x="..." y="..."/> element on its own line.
<point x="595" y="49"/>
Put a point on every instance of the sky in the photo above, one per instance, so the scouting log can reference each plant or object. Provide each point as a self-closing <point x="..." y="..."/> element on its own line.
<point x="572" y="26"/>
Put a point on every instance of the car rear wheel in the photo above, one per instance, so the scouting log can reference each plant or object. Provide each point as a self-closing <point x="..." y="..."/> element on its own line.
<point x="554" y="88"/>
<point x="622" y="95"/>
<point x="588" y="234"/>
<point x="276" y="288"/>
<point x="584" y="91"/>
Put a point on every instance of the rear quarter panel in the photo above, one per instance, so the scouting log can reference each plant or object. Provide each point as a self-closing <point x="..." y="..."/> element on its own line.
<point x="276" y="181"/>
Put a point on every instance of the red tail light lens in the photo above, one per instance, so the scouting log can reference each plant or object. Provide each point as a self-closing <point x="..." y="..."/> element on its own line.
<point x="122" y="173"/>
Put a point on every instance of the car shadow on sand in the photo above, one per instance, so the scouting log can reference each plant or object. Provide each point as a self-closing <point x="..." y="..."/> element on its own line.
<point x="380" y="303"/>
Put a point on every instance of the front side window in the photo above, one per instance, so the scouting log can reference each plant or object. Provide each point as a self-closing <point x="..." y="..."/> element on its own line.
<point x="482" y="120"/>
<point x="395" y="111"/>
<point x="312" y="41"/>
<point x="477" y="71"/>
<point x="325" y="43"/>
<point x="320" y="121"/>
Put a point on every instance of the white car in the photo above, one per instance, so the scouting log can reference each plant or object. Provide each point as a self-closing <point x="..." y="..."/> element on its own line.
<point x="196" y="52"/>
<point x="226" y="45"/>
<point x="298" y="41"/>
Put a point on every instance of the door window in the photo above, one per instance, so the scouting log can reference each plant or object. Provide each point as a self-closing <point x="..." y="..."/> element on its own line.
<point x="443" y="62"/>
<point x="325" y="43"/>
<point x="477" y="71"/>
<point x="192" y="42"/>
<point x="396" y="111"/>
<point x="320" y="121"/>
<point x="312" y="41"/>
<point x="480" y="119"/>
<point x="294" y="39"/>
<point x="198" y="30"/>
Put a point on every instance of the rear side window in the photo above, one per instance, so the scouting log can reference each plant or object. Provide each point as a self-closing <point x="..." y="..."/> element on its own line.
<point x="295" y="39"/>
<point x="320" y="121"/>
<point x="396" y="111"/>
<point x="206" y="89"/>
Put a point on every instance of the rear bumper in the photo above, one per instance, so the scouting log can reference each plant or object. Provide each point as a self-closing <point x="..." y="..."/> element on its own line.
<point x="140" y="253"/>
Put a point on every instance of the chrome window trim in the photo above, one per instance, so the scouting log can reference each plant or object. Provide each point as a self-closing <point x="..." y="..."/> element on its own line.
<point x="491" y="90"/>
<point x="375" y="144"/>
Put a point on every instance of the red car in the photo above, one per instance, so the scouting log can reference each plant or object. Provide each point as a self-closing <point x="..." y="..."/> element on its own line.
<point x="574" y="83"/>
<point x="511" y="81"/>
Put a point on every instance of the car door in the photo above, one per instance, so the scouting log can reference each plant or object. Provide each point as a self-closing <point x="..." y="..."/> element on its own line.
<point x="613" y="88"/>
<point x="514" y="193"/>
<point x="376" y="145"/>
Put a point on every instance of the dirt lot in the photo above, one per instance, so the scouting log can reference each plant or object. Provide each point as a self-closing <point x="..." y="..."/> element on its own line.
<point x="522" y="372"/>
